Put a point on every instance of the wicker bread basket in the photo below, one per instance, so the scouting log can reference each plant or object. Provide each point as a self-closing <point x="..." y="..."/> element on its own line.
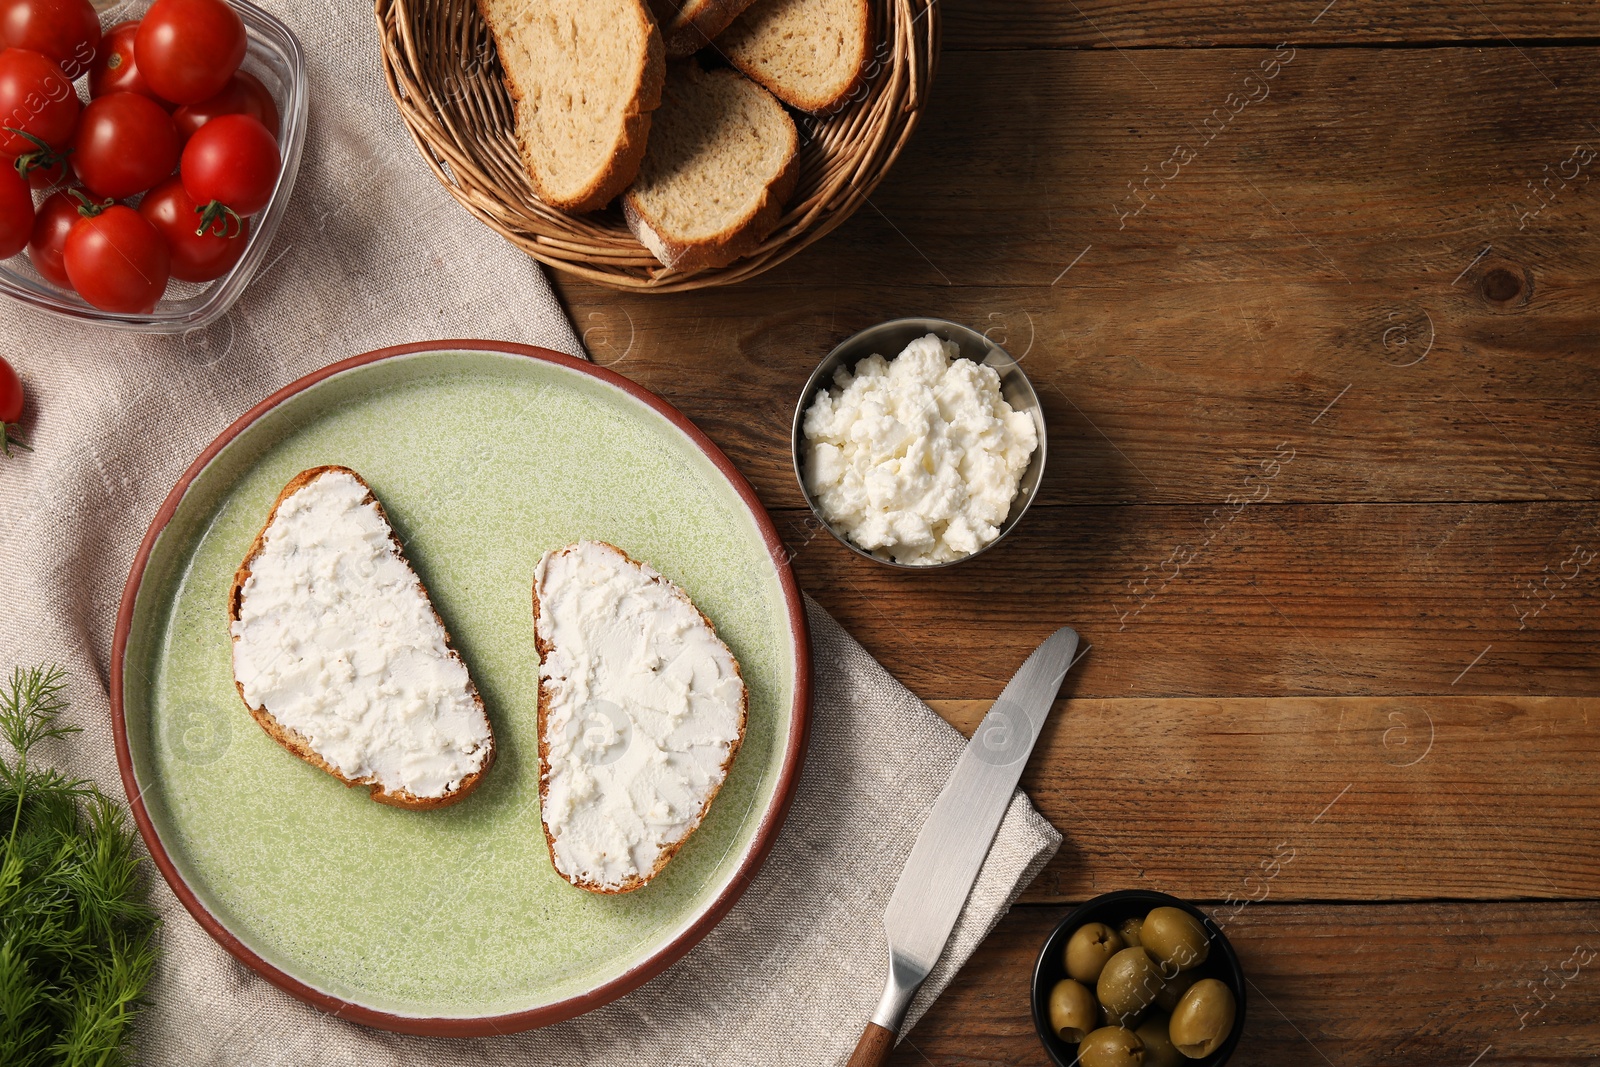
<point x="440" y="62"/>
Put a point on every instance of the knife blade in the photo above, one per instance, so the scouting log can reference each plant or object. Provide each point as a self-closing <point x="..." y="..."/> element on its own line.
<point x="956" y="836"/>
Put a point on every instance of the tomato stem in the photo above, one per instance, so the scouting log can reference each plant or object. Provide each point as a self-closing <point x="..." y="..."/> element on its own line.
<point x="11" y="435"/>
<point x="43" y="156"/>
<point x="220" y="220"/>
<point x="86" y="207"/>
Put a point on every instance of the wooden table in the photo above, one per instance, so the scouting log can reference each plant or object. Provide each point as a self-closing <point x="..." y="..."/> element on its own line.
<point x="1318" y="331"/>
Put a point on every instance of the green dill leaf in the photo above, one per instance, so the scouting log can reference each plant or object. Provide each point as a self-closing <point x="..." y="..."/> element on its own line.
<point x="76" y="927"/>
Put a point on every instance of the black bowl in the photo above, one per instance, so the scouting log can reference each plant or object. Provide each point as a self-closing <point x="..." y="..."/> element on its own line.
<point x="1113" y="908"/>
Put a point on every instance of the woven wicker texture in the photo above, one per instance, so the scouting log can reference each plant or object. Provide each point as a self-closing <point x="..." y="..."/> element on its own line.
<point x="440" y="62"/>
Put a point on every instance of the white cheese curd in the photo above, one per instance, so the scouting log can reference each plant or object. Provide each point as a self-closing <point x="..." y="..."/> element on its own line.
<point x="917" y="458"/>
<point x="337" y="639"/>
<point x="644" y="710"/>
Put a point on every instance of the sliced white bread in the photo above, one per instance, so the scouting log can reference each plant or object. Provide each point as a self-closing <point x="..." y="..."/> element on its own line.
<point x="339" y="654"/>
<point x="585" y="76"/>
<point x="641" y="711"/>
<point x="811" y="54"/>
<point x="689" y="25"/>
<point x="723" y="160"/>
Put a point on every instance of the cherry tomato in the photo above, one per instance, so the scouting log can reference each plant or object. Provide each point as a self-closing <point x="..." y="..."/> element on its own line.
<point x="231" y="161"/>
<point x="243" y="95"/>
<point x="35" y="99"/>
<point x="11" y="398"/>
<point x="114" y="68"/>
<point x="197" y="255"/>
<point x="68" y="31"/>
<point x="16" y="215"/>
<point x="125" y="144"/>
<point x="54" y="220"/>
<point x="188" y="49"/>
<point x="116" y="259"/>
<point x="10" y="394"/>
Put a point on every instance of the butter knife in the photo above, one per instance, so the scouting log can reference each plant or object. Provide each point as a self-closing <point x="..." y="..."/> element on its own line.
<point x="944" y="862"/>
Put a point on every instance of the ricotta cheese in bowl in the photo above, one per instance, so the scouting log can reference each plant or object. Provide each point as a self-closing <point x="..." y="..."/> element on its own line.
<point x="916" y="459"/>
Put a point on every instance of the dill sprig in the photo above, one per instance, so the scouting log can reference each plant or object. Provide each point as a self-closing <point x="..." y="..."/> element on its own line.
<point x="76" y="930"/>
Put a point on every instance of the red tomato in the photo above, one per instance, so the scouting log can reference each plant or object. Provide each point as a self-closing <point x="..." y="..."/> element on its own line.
<point x="125" y="144"/>
<point x="55" y="219"/>
<point x="231" y="161"/>
<point x="68" y="31"/>
<point x="10" y="395"/>
<point x="16" y="214"/>
<point x="243" y="95"/>
<point x="10" y="408"/>
<point x="114" y="68"/>
<point x="117" y="261"/>
<point x="197" y="255"/>
<point x="35" y="98"/>
<point x="188" y="49"/>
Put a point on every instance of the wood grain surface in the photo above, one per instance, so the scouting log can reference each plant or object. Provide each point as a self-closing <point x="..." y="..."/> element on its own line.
<point x="1395" y="985"/>
<point x="996" y="24"/>
<point x="1311" y="293"/>
<point x="1318" y="798"/>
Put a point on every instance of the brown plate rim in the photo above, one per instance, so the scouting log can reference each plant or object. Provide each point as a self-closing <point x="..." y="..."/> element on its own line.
<point x="755" y="855"/>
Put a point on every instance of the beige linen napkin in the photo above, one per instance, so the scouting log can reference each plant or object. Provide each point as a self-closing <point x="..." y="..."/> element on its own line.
<point x="374" y="253"/>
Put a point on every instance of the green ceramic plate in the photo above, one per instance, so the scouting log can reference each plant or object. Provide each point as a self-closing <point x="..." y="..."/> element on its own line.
<point x="448" y="921"/>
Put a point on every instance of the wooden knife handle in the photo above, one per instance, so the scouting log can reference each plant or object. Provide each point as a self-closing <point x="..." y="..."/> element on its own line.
<point x="874" y="1047"/>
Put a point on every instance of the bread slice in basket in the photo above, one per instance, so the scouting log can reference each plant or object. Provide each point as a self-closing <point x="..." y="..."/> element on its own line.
<point x="585" y="76"/>
<point x="340" y="656"/>
<point x="811" y="54"/>
<point x="689" y="25"/>
<point x="642" y="709"/>
<point x="722" y="162"/>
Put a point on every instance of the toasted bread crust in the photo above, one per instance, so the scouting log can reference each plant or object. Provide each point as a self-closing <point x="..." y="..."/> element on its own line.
<point x="685" y="35"/>
<point x="544" y="648"/>
<point x="739" y="239"/>
<point x="628" y="155"/>
<point x="728" y="245"/>
<point x="298" y="743"/>
<point x="817" y="105"/>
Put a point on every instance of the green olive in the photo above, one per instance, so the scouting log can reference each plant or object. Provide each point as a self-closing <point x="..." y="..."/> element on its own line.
<point x="1129" y="929"/>
<point x="1073" y="1012"/>
<point x="1159" y="1050"/>
<point x="1203" y="1019"/>
<point x="1088" y="949"/>
<point x="1128" y="984"/>
<point x="1172" y="989"/>
<point x="1175" y="938"/>
<point x="1111" y="1046"/>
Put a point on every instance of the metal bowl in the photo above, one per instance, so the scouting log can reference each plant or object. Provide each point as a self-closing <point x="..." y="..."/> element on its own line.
<point x="1111" y="909"/>
<point x="888" y="339"/>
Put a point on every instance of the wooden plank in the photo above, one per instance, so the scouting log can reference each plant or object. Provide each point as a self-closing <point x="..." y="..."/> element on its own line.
<point x="1319" y="251"/>
<point x="995" y="24"/>
<point x="1269" y="600"/>
<point x="1173" y="406"/>
<point x="1401" y="985"/>
<point x="1317" y="173"/>
<point x="1293" y="799"/>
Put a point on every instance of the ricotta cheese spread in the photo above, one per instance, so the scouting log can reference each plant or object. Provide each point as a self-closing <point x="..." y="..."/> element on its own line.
<point x="917" y="458"/>
<point x="644" y="710"/>
<point x="336" y="638"/>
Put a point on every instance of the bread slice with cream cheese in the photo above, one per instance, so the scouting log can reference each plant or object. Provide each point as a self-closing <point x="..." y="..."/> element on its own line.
<point x="341" y="658"/>
<point x="642" y="709"/>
